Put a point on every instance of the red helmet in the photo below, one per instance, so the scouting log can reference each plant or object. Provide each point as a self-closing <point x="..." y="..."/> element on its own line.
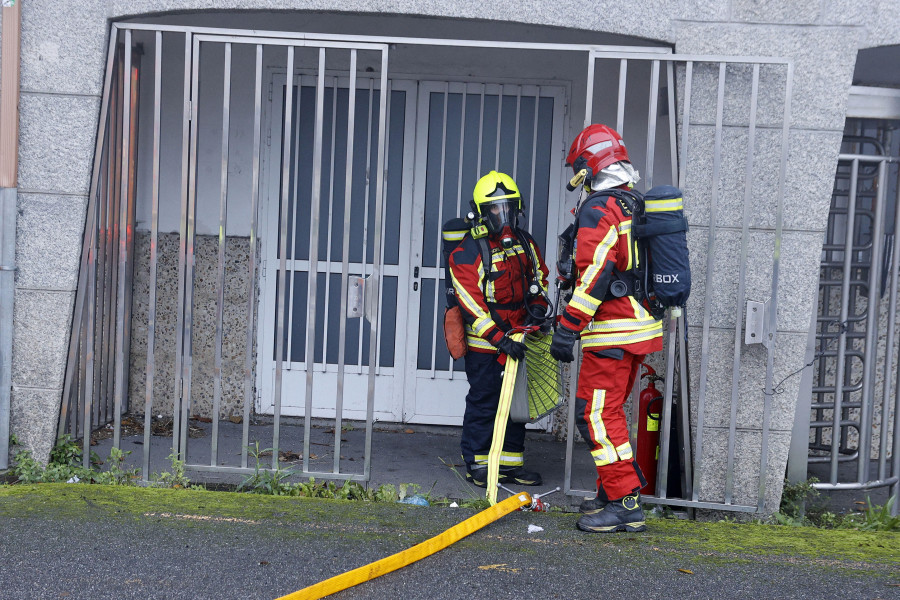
<point x="595" y="148"/>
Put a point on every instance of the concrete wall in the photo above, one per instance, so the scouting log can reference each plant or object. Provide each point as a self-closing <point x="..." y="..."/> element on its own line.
<point x="62" y="66"/>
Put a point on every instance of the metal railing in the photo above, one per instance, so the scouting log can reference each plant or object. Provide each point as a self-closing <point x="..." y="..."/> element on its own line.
<point x="854" y="427"/>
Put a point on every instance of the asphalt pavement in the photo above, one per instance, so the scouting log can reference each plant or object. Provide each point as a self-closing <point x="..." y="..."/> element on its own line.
<point x="78" y="541"/>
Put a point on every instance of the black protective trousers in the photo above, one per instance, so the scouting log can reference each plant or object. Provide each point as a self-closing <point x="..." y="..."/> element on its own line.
<point x="485" y="380"/>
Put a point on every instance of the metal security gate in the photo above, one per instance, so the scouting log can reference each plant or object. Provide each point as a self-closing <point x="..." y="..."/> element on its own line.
<point x="218" y="107"/>
<point x="723" y="426"/>
<point x="202" y="166"/>
<point x="849" y="405"/>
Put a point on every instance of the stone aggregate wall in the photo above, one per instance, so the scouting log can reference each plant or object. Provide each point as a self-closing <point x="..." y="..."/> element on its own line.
<point x="234" y="325"/>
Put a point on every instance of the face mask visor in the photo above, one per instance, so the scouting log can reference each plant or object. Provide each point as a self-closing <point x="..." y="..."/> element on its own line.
<point x="501" y="215"/>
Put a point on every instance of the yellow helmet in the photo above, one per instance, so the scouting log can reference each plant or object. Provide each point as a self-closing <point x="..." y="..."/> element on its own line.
<point x="497" y="201"/>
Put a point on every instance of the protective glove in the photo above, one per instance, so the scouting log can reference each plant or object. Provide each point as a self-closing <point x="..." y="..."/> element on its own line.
<point x="562" y="347"/>
<point x="511" y="347"/>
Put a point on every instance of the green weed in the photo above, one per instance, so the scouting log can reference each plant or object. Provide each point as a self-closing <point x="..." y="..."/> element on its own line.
<point x="175" y="478"/>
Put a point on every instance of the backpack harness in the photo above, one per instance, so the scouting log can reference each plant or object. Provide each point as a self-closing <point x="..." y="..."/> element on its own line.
<point x="661" y="275"/>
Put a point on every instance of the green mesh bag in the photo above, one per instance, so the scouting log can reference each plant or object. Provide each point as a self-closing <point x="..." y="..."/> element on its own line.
<point x="537" y="389"/>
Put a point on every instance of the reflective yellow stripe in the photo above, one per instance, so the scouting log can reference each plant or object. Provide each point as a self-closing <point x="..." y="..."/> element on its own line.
<point x="592" y="340"/>
<point x="478" y="342"/>
<point x="601" y="457"/>
<point x="624" y="451"/>
<point x="465" y="297"/>
<point x="620" y="324"/>
<point x="625" y="228"/>
<point x="664" y="205"/>
<point x="640" y="312"/>
<point x="597" y="262"/>
<point x="606" y="453"/>
<point x="454" y="236"/>
<point x="585" y="303"/>
<point x="512" y="459"/>
<point x="482" y="324"/>
<point x="481" y="459"/>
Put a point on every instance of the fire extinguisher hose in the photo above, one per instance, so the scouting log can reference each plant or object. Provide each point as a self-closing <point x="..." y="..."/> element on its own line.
<point x="411" y="555"/>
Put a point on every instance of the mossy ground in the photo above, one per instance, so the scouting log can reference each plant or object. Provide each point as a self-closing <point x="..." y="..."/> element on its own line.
<point x="716" y="542"/>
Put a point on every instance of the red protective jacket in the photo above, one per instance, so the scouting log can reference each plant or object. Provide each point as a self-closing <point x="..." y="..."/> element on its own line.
<point x="604" y="243"/>
<point x="501" y="291"/>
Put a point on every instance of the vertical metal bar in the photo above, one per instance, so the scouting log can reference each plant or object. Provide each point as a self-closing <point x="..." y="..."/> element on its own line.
<point x="516" y="140"/>
<point x="182" y="247"/>
<point x="187" y="365"/>
<point x="312" y="282"/>
<point x="387" y="146"/>
<point x="772" y="314"/>
<point x="844" y="312"/>
<point x="91" y="233"/>
<point x="666" y="425"/>
<point x="480" y="134"/>
<point x="282" y="266"/>
<point x="710" y="268"/>
<point x="220" y="267"/>
<point x="459" y="175"/>
<point x="345" y="256"/>
<point x="574" y="369"/>
<point x="327" y="308"/>
<point x="742" y="283"/>
<point x="440" y="221"/>
<point x="872" y="330"/>
<point x="684" y="407"/>
<point x="889" y="352"/>
<point x="620" y="104"/>
<point x="376" y="271"/>
<point x="131" y="198"/>
<point x="365" y="236"/>
<point x="499" y="121"/>
<point x="119" y="382"/>
<point x="90" y="348"/>
<point x="254" y="221"/>
<point x="110" y="282"/>
<point x="589" y="95"/>
<point x="534" y="134"/>
<point x="651" y="119"/>
<point x="154" y="254"/>
<point x="293" y="204"/>
<point x="673" y="146"/>
<point x="685" y="127"/>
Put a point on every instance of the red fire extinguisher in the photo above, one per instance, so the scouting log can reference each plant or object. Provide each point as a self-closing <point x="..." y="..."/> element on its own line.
<point x="649" y="413"/>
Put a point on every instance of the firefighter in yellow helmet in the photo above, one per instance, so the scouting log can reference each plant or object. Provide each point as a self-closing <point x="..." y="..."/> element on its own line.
<point x="500" y="282"/>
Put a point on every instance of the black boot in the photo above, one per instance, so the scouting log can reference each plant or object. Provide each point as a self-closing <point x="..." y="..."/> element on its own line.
<point x="595" y="505"/>
<point x="519" y="476"/>
<point x="477" y="475"/>
<point x="624" y="514"/>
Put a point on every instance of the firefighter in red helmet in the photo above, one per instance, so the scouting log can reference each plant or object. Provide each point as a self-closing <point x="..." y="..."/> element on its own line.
<point x="616" y="330"/>
<point x="494" y="271"/>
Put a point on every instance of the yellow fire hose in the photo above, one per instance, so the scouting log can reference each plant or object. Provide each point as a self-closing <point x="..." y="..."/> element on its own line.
<point x="506" y="394"/>
<point x="417" y="552"/>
